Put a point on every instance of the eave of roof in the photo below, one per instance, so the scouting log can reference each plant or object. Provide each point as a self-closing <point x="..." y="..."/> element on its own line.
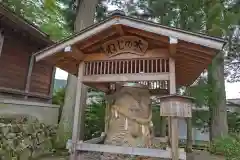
<point x="211" y="42"/>
<point x="25" y="25"/>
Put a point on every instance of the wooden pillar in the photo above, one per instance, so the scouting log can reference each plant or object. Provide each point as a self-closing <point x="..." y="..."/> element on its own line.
<point x="173" y="121"/>
<point x="78" y="109"/>
<point x="84" y="105"/>
<point x="189" y="135"/>
<point x="29" y="74"/>
<point x="1" y="41"/>
<point x="51" y="89"/>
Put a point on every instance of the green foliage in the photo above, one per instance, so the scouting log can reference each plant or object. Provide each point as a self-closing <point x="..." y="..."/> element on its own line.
<point x="199" y="91"/>
<point x="94" y="113"/>
<point x="58" y="96"/>
<point x="58" y="99"/>
<point x="228" y="146"/>
<point x="234" y="122"/>
<point x="94" y="121"/>
<point x="49" y="20"/>
<point x="201" y="120"/>
<point x="156" y="119"/>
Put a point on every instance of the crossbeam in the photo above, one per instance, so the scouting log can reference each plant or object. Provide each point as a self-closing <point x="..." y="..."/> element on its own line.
<point x="126" y="77"/>
<point x="81" y="146"/>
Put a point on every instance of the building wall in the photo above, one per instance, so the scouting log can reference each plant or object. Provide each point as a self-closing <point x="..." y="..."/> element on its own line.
<point x="14" y="63"/>
<point x="41" y="78"/>
<point x="197" y="134"/>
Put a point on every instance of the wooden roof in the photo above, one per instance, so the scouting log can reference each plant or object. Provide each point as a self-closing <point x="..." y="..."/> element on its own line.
<point x="11" y="20"/>
<point x="193" y="51"/>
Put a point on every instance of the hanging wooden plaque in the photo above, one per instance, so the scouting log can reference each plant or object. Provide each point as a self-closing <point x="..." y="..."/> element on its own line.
<point x="125" y="44"/>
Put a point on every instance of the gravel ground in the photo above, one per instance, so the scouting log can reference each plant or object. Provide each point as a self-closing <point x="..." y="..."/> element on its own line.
<point x="196" y="155"/>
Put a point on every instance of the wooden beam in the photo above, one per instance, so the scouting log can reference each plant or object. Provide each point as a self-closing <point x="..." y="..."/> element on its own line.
<point x="126" y="77"/>
<point x="125" y="150"/>
<point x="197" y="48"/>
<point x="189" y="57"/>
<point x="77" y="112"/>
<point x="58" y="48"/>
<point x="1" y="41"/>
<point x="29" y="75"/>
<point x="75" y="53"/>
<point x="173" y="46"/>
<point x="148" y="35"/>
<point x="96" y="40"/>
<point x="23" y="93"/>
<point x="187" y="62"/>
<point x="189" y="37"/>
<point x="194" y="53"/>
<point x="119" y="29"/>
<point x="152" y="53"/>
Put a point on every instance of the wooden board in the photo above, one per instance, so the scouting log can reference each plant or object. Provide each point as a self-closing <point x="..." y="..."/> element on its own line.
<point x="125" y="44"/>
<point x="125" y="150"/>
<point x="176" y="109"/>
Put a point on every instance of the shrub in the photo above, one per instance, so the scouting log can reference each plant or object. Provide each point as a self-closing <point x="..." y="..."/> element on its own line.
<point x="228" y="146"/>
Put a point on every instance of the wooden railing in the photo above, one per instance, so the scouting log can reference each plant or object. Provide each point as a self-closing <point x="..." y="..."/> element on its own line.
<point x="152" y="85"/>
<point x="127" y="66"/>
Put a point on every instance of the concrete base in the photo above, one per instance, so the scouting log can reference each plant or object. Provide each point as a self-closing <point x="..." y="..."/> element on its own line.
<point x="46" y="113"/>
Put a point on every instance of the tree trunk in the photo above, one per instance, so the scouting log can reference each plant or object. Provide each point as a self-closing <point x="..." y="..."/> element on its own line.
<point x="84" y="18"/>
<point x="130" y="119"/>
<point x="217" y="100"/>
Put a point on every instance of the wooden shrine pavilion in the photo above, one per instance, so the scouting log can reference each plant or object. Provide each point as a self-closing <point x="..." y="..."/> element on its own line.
<point x="20" y="76"/>
<point x="124" y="49"/>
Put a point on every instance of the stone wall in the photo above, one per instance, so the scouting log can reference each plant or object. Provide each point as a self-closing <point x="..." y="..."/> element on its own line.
<point x="45" y="113"/>
<point x="23" y="139"/>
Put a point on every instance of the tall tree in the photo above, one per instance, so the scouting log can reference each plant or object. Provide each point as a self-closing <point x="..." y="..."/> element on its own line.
<point x="85" y="15"/>
<point x="218" y="20"/>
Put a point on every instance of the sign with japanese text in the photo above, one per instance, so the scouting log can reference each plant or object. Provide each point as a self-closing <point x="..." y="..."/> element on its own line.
<point x="125" y="44"/>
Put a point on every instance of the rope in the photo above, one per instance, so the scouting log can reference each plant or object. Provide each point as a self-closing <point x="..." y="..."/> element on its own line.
<point x="142" y="121"/>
